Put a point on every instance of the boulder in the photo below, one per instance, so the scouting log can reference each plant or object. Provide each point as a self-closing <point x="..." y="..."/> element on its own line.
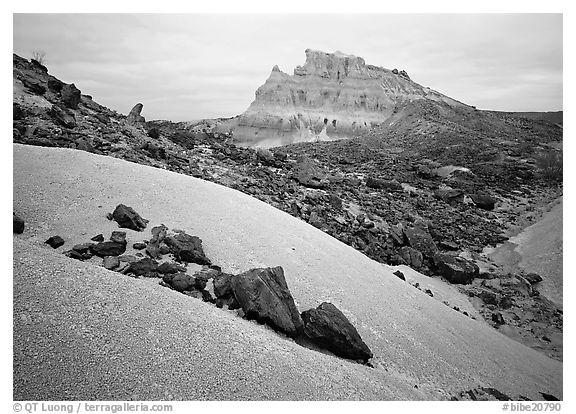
<point x="179" y="281"/>
<point x="126" y="217"/>
<point x="144" y="267"/>
<point x="399" y="275"/>
<point x="98" y="238"/>
<point x="307" y="173"/>
<point x="139" y="246"/>
<point x="170" y="267"/>
<point x="533" y="278"/>
<point x="83" y="247"/>
<point x="186" y="248"/>
<point x="412" y="257"/>
<point x="328" y="327"/>
<point x="421" y="240"/>
<point x="108" y="248"/>
<point x="111" y="262"/>
<point x="17" y="224"/>
<point x="55" y="242"/>
<point x="265" y="156"/>
<point x="390" y="185"/>
<point x="449" y="195"/>
<point x="483" y="201"/>
<point x="456" y="269"/>
<point x="118" y="237"/>
<point x="134" y="117"/>
<point x="264" y="296"/>
<point x="55" y="85"/>
<point x="17" y="112"/>
<point x="223" y="285"/>
<point x="498" y="318"/>
<point x="70" y="96"/>
<point x="62" y="116"/>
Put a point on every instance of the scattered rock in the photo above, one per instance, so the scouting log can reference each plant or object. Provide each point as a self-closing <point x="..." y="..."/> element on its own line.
<point x="449" y="195"/>
<point x="108" y="248"/>
<point x="144" y="267"/>
<point x="70" y="96"/>
<point x="139" y="246"/>
<point x="264" y="296"/>
<point x="390" y="185"/>
<point x="455" y="268"/>
<point x="483" y="201"/>
<point x="186" y="248"/>
<point x="118" y="237"/>
<point x="126" y="217"/>
<point x="329" y="328"/>
<point x="170" y="267"/>
<point x="399" y="275"/>
<point x="17" y="224"/>
<point x="55" y="242"/>
<point x="111" y="262"/>
<point x="265" y="156"/>
<point x="308" y="173"/>
<point x="421" y="240"/>
<point x="533" y="278"/>
<point x="98" y="238"/>
<point x="83" y="247"/>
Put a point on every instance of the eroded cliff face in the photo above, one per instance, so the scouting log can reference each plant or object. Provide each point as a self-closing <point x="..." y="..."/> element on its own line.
<point x="332" y="96"/>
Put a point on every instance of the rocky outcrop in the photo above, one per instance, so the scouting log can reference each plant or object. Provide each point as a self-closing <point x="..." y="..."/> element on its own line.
<point x="264" y="296"/>
<point x="328" y="327"/>
<point x="71" y="96"/>
<point x="332" y="96"/>
<point x="134" y="117"/>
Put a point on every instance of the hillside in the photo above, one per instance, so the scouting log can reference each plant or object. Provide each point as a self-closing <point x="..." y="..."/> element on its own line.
<point x="78" y="326"/>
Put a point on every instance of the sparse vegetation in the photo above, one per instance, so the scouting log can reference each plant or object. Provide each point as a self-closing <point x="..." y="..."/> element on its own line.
<point x="550" y="164"/>
<point x="39" y="56"/>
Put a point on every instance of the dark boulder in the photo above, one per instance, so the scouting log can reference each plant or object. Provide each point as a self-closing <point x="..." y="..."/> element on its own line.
<point x="223" y="285"/>
<point x="421" y="240"/>
<point x="187" y="248"/>
<point x="70" y="96"/>
<point x="399" y="275"/>
<point x="308" y="173"/>
<point x="55" y="242"/>
<point x="483" y="201"/>
<point x="144" y="267"/>
<point x="265" y="156"/>
<point x="179" y="281"/>
<point x="17" y="112"/>
<point x="98" y="238"/>
<point x="264" y="296"/>
<point x="118" y="237"/>
<point x="328" y="327"/>
<point x="55" y="85"/>
<point x="83" y="247"/>
<point x="153" y="249"/>
<point x="139" y="246"/>
<point x="390" y="185"/>
<point x="62" y="116"/>
<point x="449" y="195"/>
<point x="34" y="87"/>
<point x="412" y="257"/>
<point x="488" y="297"/>
<point x="498" y="318"/>
<point x="111" y="262"/>
<point x="533" y="278"/>
<point x="108" y="248"/>
<point x="126" y="217"/>
<point x="170" y="267"/>
<point x="456" y="269"/>
<point x="17" y="224"/>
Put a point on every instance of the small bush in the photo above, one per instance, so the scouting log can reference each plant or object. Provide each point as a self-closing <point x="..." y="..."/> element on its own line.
<point x="39" y="56"/>
<point x="550" y="165"/>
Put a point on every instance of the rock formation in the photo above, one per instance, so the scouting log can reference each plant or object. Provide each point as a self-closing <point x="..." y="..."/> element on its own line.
<point x="332" y="96"/>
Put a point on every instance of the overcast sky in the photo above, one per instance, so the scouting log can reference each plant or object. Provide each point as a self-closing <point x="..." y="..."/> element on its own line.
<point x="186" y="67"/>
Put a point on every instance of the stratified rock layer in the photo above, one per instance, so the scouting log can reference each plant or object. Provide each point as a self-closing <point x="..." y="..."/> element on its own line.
<point x="332" y="96"/>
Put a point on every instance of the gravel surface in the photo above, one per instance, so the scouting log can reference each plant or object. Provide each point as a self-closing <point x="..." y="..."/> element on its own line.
<point x="83" y="332"/>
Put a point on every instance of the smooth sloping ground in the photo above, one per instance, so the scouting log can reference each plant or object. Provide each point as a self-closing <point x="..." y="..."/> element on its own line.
<point x="538" y="248"/>
<point x="83" y="332"/>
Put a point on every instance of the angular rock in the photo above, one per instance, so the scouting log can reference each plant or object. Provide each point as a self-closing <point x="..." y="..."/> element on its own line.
<point x="73" y="254"/>
<point x="134" y="117"/>
<point x="108" y="248"/>
<point x="328" y="327"/>
<point x="170" y="267"/>
<point x="186" y="248"/>
<point x="223" y="285"/>
<point x="399" y="275"/>
<point x="98" y="238"/>
<point x="83" y="247"/>
<point x="307" y="173"/>
<point x="456" y="269"/>
<point x="62" y="116"/>
<point x="412" y="257"/>
<point x="55" y="242"/>
<point x="17" y="224"/>
<point x="126" y="217"/>
<point x="488" y="297"/>
<point x="421" y="240"/>
<point x="146" y="266"/>
<point x="118" y="237"/>
<point x="264" y="296"/>
<point x="449" y="195"/>
<point x="70" y="96"/>
<point x="390" y="185"/>
<point x="483" y="201"/>
<point x="265" y="156"/>
<point x="533" y="278"/>
<point x="179" y="281"/>
<point x="111" y="262"/>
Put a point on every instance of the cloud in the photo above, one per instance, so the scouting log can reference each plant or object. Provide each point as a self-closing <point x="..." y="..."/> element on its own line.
<point x="198" y="66"/>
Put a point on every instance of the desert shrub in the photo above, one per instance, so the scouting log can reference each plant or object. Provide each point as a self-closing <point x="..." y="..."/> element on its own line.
<point x="39" y="56"/>
<point x="550" y="165"/>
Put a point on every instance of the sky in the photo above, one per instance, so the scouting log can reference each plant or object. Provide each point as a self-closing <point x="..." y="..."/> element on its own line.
<point x="185" y="67"/>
